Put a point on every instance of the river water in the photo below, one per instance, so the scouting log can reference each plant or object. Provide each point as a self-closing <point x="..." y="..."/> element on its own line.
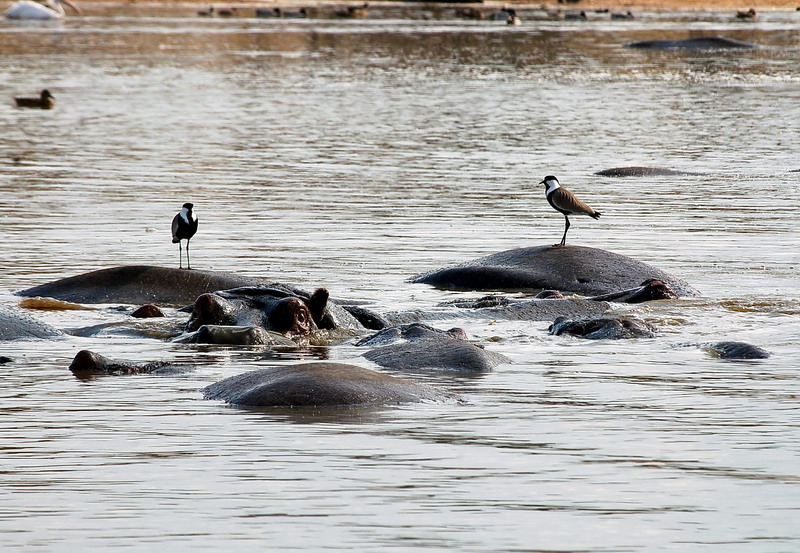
<point x="353" y="155"/>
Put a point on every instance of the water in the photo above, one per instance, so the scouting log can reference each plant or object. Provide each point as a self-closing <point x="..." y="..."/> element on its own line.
<point x="354" y="154"/>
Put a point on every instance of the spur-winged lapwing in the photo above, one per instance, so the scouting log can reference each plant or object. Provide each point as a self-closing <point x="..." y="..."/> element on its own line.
<point x="564" y="201"/>
<point x="184" y="225"/>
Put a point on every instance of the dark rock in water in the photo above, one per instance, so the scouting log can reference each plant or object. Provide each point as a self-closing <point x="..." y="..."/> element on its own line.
<point x="738" y="350"/>
<point x="575" y="269"/>
<point x="439" y="352"/>
<point x="148" y="311"/>
<point x="139" y="284"/>
<point x="87" y="363"/>
<point x="698" y="43"/>
<point x="603" y="328"/>
<point x="19" y="326"/>
<point x="411" y="332"/>
<point x="641" y="172"/>
<point x="321" y="384"/>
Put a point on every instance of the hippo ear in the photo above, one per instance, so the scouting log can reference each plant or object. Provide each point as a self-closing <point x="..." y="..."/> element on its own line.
<point x="317" y="304"/>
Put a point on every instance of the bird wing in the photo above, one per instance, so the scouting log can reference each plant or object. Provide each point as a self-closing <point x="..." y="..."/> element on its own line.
<point x="175" y="238"/>
<point x="567" y="201"/>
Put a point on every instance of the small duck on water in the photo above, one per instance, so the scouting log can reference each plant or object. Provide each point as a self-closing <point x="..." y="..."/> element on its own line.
<point x="44" y="101"/>
<point x="749" y="14"/>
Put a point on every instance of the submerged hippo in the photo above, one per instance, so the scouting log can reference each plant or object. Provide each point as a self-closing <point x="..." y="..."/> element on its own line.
<point x="424" y="347"/>
<point x="650" y="290"/>
<point x="321" y="384"/>
<point x="89" y="363"/>
<point x="139" y="284"/>
<point x="575" y="269"/>
<point x="698" y="43"/>
<point x="236" y="336"/>
<point x="738" y="350"/>
<point x="603" y="328"/>
<point x="284" y="310"/>
<point x="15" y="325"/>
<point x="641" y="172"/>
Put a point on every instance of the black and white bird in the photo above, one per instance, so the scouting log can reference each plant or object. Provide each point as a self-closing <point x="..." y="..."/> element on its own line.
<point x="565" y="202"/>
<point x="184" y="225"/>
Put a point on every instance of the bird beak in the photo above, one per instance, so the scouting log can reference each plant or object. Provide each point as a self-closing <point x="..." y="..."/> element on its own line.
<point x="73" y="6"/>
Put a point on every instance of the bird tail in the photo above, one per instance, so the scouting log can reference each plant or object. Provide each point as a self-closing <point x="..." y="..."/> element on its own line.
<point x="595" y="215"/>
<point x="176" y="240"/>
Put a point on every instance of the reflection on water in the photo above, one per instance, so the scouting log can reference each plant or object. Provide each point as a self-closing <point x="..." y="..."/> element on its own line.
<point x="354" y="154"/>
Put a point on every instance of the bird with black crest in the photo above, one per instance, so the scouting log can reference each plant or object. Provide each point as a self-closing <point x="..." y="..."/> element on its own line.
<point x="184" y="226"/>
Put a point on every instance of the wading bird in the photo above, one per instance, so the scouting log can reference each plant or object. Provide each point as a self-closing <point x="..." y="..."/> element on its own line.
<point x="184" y="225"/>
<point x="565" y="202"/>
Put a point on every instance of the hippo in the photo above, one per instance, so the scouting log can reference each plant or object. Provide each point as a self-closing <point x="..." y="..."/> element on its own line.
<point x="697" y="43"/>
<point x="650" y="290"/>
<point x="88" y="363"/>
<point x="410" y="332"/>
<point x="603" y="328"/>
<point x="642" y="172"/>
<point x="321" y="384"/>
<point x="148" y="311"/>
<point x="574" y="269"/>
<point x="139" y="284"/>
<point x="285" y="310"/>
<point x="738" y="350"/>
<point x="236" y="336"/>
<point x="15" y="325"/>
<point x="424" y="347"/>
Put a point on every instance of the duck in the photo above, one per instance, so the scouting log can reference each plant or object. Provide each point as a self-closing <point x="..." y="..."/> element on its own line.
<point x="576" y="16"/>
<point x="353" y="12"/>
<point x="302" y="13"/>
<point x="41" y="10"/>
<point x="513" y="18"/>
<point x="749" y="14"/>
<point x="265" y="13"/>
<point x="627" y="15"/>
<point x="227" y="12"/>
<point x="44" y="101"/>
<point x="206" y="13"/>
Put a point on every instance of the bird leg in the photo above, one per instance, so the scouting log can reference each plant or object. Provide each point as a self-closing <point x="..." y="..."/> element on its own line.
<point x="566" y="228"/>
<point x="180" y="255"/>
<point x="188" y="264"/>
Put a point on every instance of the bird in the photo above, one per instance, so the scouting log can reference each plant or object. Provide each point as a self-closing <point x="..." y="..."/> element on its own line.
<point x="619" y="15"/>
<point x="43" y="9"/>
<point x="206" y="13"/>
<point x="513" y="18"/>
<point x="44" y="101"/>
<point x="184" y="225"/>
<point x="353" y="12"/>
<point x="565" y="202"/>
<point x="749" y="14"/>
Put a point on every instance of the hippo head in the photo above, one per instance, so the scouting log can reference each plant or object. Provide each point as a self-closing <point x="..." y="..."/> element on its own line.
<point x="277" y="312"/>
<point x="290" y="316"/>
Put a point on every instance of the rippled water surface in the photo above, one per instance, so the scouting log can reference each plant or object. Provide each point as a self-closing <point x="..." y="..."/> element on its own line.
<point x="353" y="155"/>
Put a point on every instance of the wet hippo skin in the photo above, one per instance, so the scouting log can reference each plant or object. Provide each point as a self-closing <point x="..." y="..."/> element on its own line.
<point x="574" y="269"/>
<point x="320" y="384"/>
